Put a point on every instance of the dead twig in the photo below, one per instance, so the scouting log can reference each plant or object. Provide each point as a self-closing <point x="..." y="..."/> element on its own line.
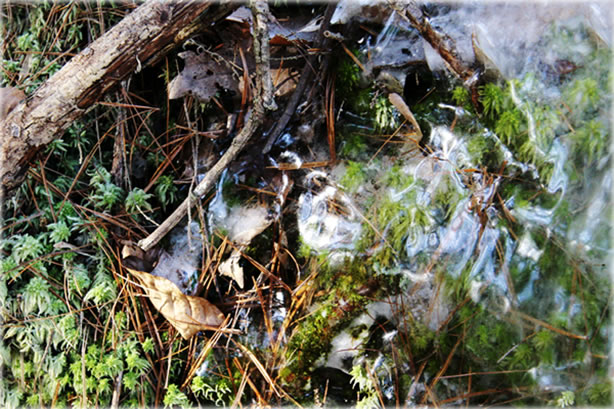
<point x="254" y="120"/>
<point x="440" y="42"/>
<point x="141" y="39"/>
<point x="306" y="74"/>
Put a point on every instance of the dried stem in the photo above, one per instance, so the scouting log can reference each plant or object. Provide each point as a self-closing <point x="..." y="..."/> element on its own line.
<point x="306" y="74"/>
<point x="255" y="117"/>
<point x="443" y="44"/>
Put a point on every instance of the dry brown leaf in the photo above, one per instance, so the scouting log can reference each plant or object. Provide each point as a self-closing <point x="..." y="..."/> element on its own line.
<point x="9" y="99"/>
<point x="399" y="103"/>
<point x="201" y="77"/>
<point x="188" y="314"/>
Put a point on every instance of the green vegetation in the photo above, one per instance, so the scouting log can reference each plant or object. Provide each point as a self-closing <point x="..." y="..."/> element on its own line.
<point x="475" y="271"/>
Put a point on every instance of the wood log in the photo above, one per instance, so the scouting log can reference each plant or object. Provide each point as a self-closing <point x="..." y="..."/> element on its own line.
<point x="142" y="38"/>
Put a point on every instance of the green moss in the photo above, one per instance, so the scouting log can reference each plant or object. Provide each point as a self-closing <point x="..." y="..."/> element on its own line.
<point x="599" y="394"/>
<point x="396" y="178"/>
<point x="590" y="142"/>
<point x="353" y="144"/>
<point x="461" y="97"/>
<point x="509" y="124"/>
<point x="312" y="341"/>
<point x="354" y="176"/>
<point x="494" y="100"/>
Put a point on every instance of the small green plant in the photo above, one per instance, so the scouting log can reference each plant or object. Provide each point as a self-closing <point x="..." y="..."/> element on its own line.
<point x="106" y="194"/>
<point x="386" y="116"/>
<point x="136" y="200"/>
<point x="166" y="191"/>
<point x="58" y="231"/>
<point x="567" y="398"/>
<point x="27" y="247"/>
<point x="174" y="397"/>
<point x="367" y="396"/>
<point x="219" y="394"/>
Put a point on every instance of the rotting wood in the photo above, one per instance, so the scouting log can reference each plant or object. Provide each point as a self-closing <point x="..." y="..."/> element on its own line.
<point x="142" y="38"/>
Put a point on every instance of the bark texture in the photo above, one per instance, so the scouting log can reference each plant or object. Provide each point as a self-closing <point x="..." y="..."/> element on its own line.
<point x="142" y="38"/>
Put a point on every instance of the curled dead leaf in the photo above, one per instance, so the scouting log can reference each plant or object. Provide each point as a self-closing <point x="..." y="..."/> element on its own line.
<point x="188" y="314"/>
<point x="399" y="103"/>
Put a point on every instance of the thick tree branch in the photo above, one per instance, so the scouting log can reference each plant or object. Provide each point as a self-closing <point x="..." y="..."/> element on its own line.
<point x="142" y="38"/>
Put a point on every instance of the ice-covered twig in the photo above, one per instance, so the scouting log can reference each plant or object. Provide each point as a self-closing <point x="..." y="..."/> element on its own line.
<point x="443" y="44"/>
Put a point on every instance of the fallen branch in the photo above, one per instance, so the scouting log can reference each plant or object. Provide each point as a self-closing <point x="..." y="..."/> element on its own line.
<point x="262" y="95"/>
<point x="142" y="38"/>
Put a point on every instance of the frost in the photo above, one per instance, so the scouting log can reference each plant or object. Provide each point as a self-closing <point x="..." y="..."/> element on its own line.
<point x="527" y="248"/>
<point x="181" y="263"/>
<point x="321" y="223"/>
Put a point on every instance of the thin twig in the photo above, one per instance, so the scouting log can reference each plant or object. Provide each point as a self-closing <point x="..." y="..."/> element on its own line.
<point x="441" y="43"/>
<point x="254" y="120"/>
<point x="306" y="74"/>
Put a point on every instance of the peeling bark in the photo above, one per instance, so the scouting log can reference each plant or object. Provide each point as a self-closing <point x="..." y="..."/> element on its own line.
<point x="142" y="38"/>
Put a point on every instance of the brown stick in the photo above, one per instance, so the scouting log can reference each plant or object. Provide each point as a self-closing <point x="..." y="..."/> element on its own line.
<point x="142" y="38"/>
<point x="255" y="117"/>
<point x="441" y="43"/>
<point x="306" y="74"/>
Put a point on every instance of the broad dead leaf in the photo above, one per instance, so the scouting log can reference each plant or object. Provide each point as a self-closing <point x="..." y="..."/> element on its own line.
<point x="188" y="314"/>
<point x="201" y="77"/>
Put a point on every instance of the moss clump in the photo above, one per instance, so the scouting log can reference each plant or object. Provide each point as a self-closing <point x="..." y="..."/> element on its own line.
<point x="354" y="177"/>
<point x="311" y="341"/>
<point x="353" y="143"/>
<point x="461" y="97"/>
